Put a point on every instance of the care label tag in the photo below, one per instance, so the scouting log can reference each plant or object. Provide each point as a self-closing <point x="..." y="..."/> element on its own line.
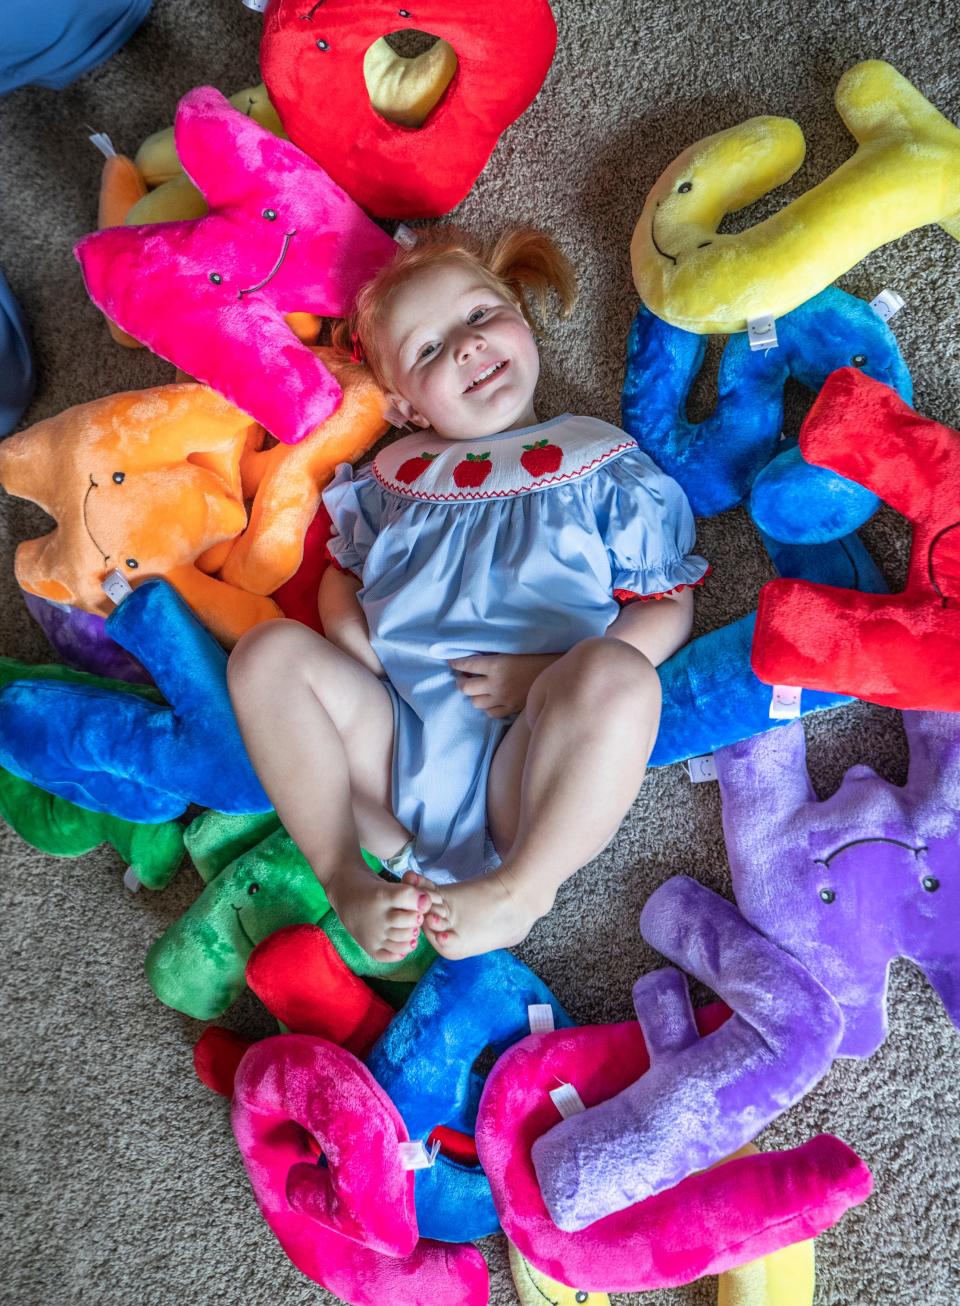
<point x="886" y="304"/>
<point x="567" y="1100"/>
<point x="702" y="768"/>
<point x="540" y="1015"/>
<point x="405" y="236"/>
<point x="103" y="143"/>
<point x="258" y="6"/>
<point x="116" y="586"/>
<point x="785" y="702"/>
<point x="414" y="1156"/>
<point x="131" y="880"/>
<point x="762" y="332"/>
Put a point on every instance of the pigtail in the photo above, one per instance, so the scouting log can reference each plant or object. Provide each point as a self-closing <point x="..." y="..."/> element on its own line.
<point x="342" y="336"/>
<point x="531" y="264"/>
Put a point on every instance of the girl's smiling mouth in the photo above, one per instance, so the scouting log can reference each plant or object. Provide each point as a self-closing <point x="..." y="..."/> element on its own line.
<point x="486" y="375"/>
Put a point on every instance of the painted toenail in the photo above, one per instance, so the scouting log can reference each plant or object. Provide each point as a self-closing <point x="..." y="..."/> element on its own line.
<point x="423" y="901"/>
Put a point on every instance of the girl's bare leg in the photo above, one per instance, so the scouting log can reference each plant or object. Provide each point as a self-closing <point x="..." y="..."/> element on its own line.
<point x="319" y="731"/>
<point x="576" y="756"/>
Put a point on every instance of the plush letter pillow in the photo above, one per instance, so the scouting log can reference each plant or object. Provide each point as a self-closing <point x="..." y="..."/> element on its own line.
<point x="211" y="295"/>
<point x="313" y="58"/>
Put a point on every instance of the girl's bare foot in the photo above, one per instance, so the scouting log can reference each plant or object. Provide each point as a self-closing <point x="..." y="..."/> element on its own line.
<point x="476" y="916"/>
<point x="384" y="918"/>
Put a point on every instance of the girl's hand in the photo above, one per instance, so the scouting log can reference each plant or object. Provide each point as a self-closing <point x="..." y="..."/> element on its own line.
<point x="498" y="683"/>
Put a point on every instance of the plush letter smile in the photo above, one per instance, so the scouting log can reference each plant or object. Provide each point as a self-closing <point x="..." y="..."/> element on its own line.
<point x="274" y="270"/>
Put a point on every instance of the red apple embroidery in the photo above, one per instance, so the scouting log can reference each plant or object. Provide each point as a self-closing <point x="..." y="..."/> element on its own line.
<point x="541" y="458"/>
<point x="473" y="471"/>
<point x="414" y="467"/>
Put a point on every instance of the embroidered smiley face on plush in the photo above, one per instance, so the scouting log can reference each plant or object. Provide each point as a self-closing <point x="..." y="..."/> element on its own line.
<point x="336" y="88"/>
<point x="211" y="295"/>
<point x="145" y="482"/>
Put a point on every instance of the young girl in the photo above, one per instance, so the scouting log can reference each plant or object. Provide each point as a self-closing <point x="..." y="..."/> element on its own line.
<point x="482" y="708"/>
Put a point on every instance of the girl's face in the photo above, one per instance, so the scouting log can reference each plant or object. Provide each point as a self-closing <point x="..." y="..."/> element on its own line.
<point x="460" y="356"/>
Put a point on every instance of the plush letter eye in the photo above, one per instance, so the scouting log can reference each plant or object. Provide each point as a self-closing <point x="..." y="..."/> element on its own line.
<point x="132" y="563"/>
<point x="270" y="214"/>
<point x="253" y="888"/>
<point x="859" y="360"/>
<point x="827" y="895"/>
<point x="582" y="1296"/>
<point x="216" y="278"/>
<point x="322" y="44"/>
<point x="684" y="187"/>
<point x="930" y="883"/>
<point x="118" y="478"/>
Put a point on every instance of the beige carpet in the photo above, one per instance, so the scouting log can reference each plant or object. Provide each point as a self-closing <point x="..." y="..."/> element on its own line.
<point x="121" y="1181"/>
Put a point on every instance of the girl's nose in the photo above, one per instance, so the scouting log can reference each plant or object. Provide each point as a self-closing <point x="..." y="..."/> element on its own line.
<point x="470" y="345"/>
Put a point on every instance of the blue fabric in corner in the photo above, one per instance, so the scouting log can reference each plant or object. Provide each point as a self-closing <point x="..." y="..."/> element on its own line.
<point x="53" y="43"/>
<point x="17" y="376"/>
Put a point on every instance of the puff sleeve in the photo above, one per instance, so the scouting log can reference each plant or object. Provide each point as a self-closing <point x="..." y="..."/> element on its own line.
<point x="647" y="526"/>
<point x="355" y="505"/>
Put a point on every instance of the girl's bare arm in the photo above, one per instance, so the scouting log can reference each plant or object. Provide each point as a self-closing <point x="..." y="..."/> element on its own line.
<point x="341" y="616"/>
<point x="658" y="627"/>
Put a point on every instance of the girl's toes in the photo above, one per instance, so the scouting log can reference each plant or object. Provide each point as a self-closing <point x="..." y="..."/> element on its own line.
<point x="445" y="943"/>
<point x="386" y="954"/>
<point x="418" y="881"/>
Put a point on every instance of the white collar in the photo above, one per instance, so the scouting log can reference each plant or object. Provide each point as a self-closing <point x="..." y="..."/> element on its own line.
<point x="498" y="466"/>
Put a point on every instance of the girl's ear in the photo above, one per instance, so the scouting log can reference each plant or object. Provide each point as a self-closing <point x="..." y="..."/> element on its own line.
<point x="400" y="412"/>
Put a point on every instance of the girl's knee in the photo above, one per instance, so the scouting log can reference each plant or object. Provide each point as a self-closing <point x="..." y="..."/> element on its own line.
<point x="605" y="672"/>
<point x="271" y="649"/>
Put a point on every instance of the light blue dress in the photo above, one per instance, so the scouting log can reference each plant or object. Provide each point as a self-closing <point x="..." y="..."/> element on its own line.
<point x="511" y="544"/>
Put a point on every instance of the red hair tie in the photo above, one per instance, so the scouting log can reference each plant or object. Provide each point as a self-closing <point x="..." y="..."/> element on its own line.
<point x="357" y="355"/>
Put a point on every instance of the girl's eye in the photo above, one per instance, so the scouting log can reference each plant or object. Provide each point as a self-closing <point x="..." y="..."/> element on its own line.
<point x="427" y="352"/>
<point x="476" y="315"/>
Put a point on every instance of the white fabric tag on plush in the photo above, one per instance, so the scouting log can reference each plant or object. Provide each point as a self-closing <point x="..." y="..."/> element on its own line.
<point x="762" y="332"/>
<point x="886" y="304"/>
<point x="414" y="1156"/>
<point x="103" y="143"/>
<point x="540" y="1015"/>
<point x="785" y="702"/>
<point x="258" y="6"/>
<point x="702" y="768"/>
<point x="567" y="1100"/>
<point x="405" y="236"/>
<point x="131" y="880"/>
<point x="116" y="586"/>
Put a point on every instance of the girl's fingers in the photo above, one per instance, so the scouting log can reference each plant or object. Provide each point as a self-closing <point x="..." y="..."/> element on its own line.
<point x="486" y="702"/>
<point x="473" y="685"/>
<point x="477" y="664"/>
